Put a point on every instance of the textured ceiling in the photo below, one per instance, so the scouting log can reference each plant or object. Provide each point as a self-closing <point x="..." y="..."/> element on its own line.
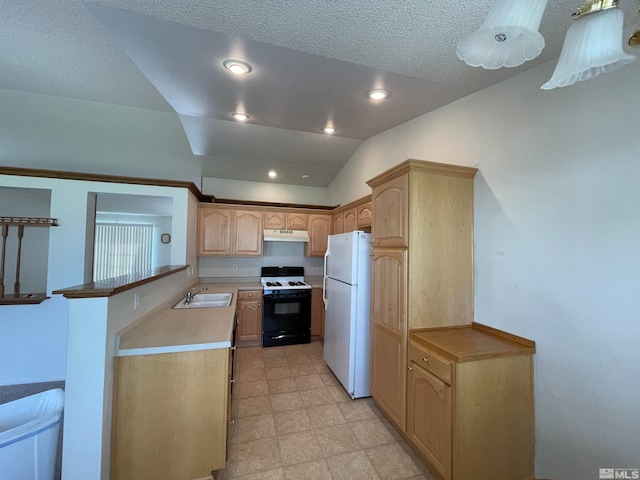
<point x="313" y="61"/>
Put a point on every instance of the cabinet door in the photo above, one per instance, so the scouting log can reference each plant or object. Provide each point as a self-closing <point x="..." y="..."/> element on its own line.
<point x="214" y="231"/>
<point x="247" y="233"/>
<point x="429" y="418"/>
<point x="350" y="220"/>
<point x="364" y="215"/>
<point x="317" y="313"/>
<point x="389" y="332"/>
<point x="296" y="221"/>
<point x="249" y="330"/>
<point x="274" y="220"/>
<point x="338" y="223"/>
<point x="390" y="203"/>
<point x="319" y="231"/>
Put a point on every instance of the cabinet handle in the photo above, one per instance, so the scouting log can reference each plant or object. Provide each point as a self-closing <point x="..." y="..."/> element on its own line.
<point x="425" y="359"/>
<point x="410" y="368"/>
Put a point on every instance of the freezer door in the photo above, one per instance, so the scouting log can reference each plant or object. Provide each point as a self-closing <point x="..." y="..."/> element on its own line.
<point x="339" y="334"/>
<point x="340" y="260"/>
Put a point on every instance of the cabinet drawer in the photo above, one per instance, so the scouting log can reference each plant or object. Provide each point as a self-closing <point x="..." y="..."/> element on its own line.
<point x="438" y="366"/>
<point x="249" y="295"/>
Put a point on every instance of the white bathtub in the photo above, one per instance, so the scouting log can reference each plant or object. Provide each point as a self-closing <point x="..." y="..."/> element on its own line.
<point x="29" y="436"/>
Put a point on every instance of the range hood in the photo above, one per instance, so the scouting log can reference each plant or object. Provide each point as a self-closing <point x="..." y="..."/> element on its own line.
<point x="286" y="236"/>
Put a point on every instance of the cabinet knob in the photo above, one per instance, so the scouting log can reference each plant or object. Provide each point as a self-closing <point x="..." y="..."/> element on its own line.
<point x="233" y="380"/>
<point x="410" y="368"/>
<point x="425" y="359"/>
<point x="232" y="422"/>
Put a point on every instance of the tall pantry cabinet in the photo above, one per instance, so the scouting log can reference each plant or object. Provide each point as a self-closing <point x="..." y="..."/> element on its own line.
<point x="422" y="266"/>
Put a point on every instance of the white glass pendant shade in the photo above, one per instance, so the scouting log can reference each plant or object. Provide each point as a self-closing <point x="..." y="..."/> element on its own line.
<point x="592" y="46"/>
<point x="508" y="37"/>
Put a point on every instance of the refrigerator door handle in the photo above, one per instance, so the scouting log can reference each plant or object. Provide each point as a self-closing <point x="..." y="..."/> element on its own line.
<point x="324" y="279"/>
<point x="325" y="300"/>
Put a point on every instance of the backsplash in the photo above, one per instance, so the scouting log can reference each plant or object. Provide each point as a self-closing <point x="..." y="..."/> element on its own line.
<point x="274" y="254"/>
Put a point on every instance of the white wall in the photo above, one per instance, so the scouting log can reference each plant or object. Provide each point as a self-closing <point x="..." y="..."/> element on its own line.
<point x="25" y="202"/>
<point x="264" y="192"/>
<point x="557" y="256"/>
<point x="33" y="338"/>
<point x="248" y="268"/>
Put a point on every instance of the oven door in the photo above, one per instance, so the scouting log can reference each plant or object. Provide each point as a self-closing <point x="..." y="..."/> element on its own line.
<point x="286" y="318"/>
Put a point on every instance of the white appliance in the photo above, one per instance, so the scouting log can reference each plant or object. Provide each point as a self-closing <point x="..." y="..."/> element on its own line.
<point x="346" y="294"/>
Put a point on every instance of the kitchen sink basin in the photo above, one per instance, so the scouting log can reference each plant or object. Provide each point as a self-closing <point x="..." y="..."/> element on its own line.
<point x="206" y="300"/>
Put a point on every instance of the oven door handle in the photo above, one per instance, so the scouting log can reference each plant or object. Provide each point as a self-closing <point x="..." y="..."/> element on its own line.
<point x="325" y="300"/>
<point x="280" y="337"/>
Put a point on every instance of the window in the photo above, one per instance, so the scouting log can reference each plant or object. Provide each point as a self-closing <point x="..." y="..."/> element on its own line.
<point x="121" y="249"/>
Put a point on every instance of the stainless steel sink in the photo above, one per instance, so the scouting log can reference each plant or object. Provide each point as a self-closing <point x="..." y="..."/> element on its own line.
<point x="206" y="300"/>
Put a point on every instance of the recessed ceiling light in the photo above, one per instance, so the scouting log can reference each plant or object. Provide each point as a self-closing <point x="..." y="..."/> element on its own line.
<point x="237" y="66"/>
<point x="272" y="174"/>
<point x="241" y="117"/>
<point x="329" y="130"/>
<point x="305" y="176"/>
<point x="377" y="94"/>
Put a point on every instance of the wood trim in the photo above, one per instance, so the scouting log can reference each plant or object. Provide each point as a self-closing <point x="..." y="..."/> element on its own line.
<point x="97" y="177"/>
<point x="258" y="208"/>
<point x="278" y="205"/>
<point x="412" y="165"/>
<point x="115" y="285"/>
<point x="350" y="205"/>
<point x="503" y="334"/>
<point x="23" y="298"/>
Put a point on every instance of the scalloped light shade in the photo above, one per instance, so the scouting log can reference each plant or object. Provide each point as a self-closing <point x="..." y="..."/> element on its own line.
<point x="592" y="46"/>
<point x="508" y="37"/>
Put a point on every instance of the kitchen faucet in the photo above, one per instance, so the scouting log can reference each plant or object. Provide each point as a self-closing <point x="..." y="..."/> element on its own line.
<point x="190" y="295"/>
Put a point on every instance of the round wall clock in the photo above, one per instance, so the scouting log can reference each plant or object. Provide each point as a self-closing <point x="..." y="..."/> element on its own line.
<point x="165" y="238"/>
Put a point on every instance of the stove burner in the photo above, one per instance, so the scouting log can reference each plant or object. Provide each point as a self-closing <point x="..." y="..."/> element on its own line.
<point x="296" y="284"/>
<point x="274" y="284"/>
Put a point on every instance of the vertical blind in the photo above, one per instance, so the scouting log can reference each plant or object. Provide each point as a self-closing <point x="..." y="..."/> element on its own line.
<point x="121" y="249"/>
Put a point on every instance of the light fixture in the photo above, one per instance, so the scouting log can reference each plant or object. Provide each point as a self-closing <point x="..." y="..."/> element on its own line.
<point x="272" y="174"/>
<point x="329" y="130"/>
<point x="508" y="37"/>
<point x="592" y="46"/>
<point x="237" y="66"/>
<point x="634" y="40"/>
<point x="377" y="94"/>
<point x="240" y="117"/>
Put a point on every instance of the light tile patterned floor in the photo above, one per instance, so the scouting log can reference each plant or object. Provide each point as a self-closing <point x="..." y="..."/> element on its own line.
<point x="294" y="421"/>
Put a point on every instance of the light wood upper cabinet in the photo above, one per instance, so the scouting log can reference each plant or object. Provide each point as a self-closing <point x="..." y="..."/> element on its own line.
<point x="228" y="232"/>
<point x="249" y="309"/>
<point x="338" y="223"/>
<point x="247" y="234"/>
<point x="285" y="220"/>
<point x="214" y="231"/>
<point x="350" y="220"/>
<point x="390" y="203"/>
<point x="319" y="231"/>
<point x="364" y="215"/>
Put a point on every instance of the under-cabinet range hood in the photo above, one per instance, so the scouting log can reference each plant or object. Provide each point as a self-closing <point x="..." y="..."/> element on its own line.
<point x="286" y="236"/>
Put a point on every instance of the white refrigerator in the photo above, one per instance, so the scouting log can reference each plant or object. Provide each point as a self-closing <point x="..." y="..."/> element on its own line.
<point x="346" y="294"/>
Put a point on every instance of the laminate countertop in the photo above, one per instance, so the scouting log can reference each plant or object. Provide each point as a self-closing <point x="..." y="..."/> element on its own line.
<point x="165" y="330"/>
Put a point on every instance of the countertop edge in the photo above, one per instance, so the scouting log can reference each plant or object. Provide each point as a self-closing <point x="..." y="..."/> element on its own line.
<point x="115" y="285"/>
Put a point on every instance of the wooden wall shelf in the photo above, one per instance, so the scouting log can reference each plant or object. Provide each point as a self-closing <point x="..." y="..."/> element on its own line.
<point x="29" y="221"/>
<point x="23" y="298"/>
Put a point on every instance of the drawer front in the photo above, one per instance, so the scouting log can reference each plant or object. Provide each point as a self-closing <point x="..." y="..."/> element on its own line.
<point x="249" y="295"/>
<point x="433" y="363"/>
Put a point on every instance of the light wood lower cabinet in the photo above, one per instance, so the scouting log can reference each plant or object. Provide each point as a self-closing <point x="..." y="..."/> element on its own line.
<point x="249" y="309"/>
<point x="170" y="414"/>
<point x="470" y="402"/>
